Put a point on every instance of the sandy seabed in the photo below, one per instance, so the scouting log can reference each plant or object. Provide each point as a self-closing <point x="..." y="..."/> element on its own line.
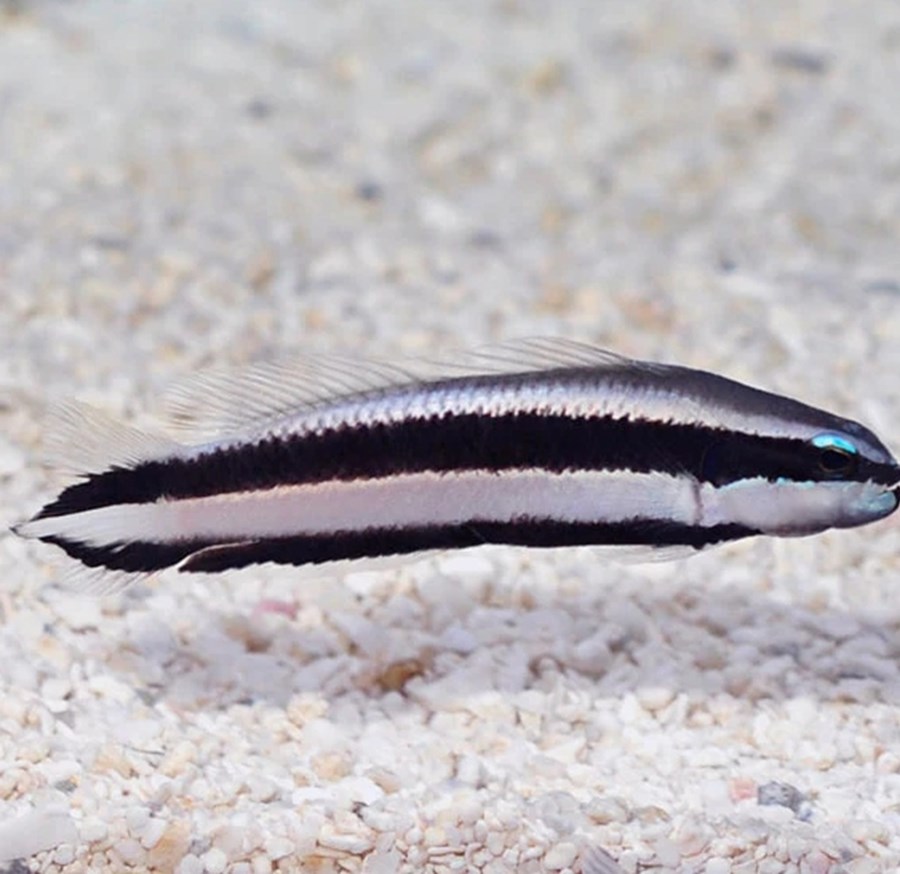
<point x="186" y="185"/>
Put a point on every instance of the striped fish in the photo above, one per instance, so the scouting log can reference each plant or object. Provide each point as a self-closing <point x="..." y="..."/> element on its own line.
<point x="539" y="443"/>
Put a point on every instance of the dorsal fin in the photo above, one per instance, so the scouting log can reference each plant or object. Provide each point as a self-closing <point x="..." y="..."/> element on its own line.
<point x="226" y="402"/>
<point x="222" y="402"/>
<point x="81" y="439"/>
<point x="528" y="355"/>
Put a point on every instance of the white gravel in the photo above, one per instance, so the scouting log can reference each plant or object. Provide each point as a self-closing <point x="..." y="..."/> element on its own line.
<point x="187" y="184"/>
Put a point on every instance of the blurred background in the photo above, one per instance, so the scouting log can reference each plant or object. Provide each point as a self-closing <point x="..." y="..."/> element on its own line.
<point x="183" y="184"/>
<point x="198" y="184"/>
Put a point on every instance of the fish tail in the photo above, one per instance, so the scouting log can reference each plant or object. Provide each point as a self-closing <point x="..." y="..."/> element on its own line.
<point x="107" y="519"/>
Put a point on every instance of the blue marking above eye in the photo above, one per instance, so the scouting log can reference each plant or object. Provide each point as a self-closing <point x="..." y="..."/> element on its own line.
<point x="834" y="441"/>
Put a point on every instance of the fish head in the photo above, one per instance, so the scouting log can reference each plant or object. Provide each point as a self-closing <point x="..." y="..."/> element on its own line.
<point x="858" y="472"/>
<point x="803" y="482"/>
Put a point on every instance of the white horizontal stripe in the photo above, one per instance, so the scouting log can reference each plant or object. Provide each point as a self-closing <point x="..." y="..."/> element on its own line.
<point x="791" y="508"/>
<point x="403" y="501"/>
<point x="577" y="400"/>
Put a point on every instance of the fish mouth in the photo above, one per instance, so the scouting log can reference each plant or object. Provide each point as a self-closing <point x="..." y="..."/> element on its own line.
<point x="895" y="492"/>
<point x="882" y="498"/>
<point x="891" y="480"/>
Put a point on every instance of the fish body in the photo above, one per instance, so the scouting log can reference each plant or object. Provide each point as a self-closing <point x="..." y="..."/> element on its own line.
<point x="535" y="444"/>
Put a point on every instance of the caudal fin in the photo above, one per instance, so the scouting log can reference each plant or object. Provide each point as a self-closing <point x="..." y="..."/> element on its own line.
<point x="86" y="518"/>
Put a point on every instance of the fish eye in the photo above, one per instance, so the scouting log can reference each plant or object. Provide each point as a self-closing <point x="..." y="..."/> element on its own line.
<point x="837" y="455"/>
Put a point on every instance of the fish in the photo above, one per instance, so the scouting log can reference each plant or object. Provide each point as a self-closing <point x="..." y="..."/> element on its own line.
<point x="534" y="443"/>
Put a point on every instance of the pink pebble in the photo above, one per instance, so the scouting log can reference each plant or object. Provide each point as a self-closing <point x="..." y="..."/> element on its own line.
<point x="272" y="605"/>
<point x="741" y="788"/>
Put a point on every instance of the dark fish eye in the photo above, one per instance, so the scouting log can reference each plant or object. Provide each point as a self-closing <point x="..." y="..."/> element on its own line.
<point x="837" y="455"/>
<point x="836" y="462"/>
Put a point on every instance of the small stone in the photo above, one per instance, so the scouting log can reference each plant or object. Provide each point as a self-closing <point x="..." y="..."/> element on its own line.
<point x="106" y="686"/>
<point x="137" y="818"/>
<point x="863" y="865"/>
<point x="34" y="752"/>
<point x="800" y="59"/>
<point x="261" y="269"/>
<point x="742" y="788"/>
<point x="469" y="770"/>
<point x="190" y="864"/>
<point x="692" y="837"/>
<point x="495" y="842"/>
<point x="110" y="758"/>
<point x="717" y="866"/>
<point x="385" y="780"/>
<point x="546" y="77"/>
<point x="56" y="688"/>
<point x="261" y="865"/>
<point x="888" y="763"/>
<point x="214" y="861"/>
<point x="654" y="698"/>
<point x="178" y="758"/>
<point x="261" y="788"/>
<point x="306" y="707"/>
<point x="606" y="810"/>
<point x="12" y="459"/>
<point x="353" y="844"/>
<point x="64" y="855"/>
<point x="80" y="613"/>
<point x="667" y="853"/>
<point x="817" y="863"/>
<point x="277" y="848"/>
<point x="171" y="847"/>
<point x="93" y="830"/>
<point x="458" y="640"/>
<point x="593" y="655"/>
<point x="561" y="856"/>
<point x="382" y="862"/>
<point x="435" y="836"/>
<point x="331" y="766"/>
<point x="630" y="710"/>
<point x="368" y="189"/>
<point x="780" y="794"/>
<point x="361" y="790"/>
<point x="152" y="833"/>
<point x="230" y="840"/>
<point x="397" y="674"/>
<point x="864" y="830"/>
<point x="559" y="810"/>
<point x="651" y="813"/>
<point x="129" y="851"/>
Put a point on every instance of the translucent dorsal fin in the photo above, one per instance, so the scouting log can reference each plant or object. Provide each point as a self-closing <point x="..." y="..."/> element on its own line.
<point x="81" y="439"/>
<point x="531" y="354"/>
<point x="225" y="402"/>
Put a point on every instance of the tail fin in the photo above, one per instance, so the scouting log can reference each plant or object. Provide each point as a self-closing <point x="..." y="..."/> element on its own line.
<point x="99" y="451"/>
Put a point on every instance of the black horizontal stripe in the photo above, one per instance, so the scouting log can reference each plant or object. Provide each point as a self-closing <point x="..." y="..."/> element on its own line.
<point x="463" y="442"/>
<point x="207" y="556"/>
<point x="136" y="557"/>
<point x="460" y="442"/>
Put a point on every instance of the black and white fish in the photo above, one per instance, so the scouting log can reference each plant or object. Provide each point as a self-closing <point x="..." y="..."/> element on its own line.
<point x="539" y="443"/>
